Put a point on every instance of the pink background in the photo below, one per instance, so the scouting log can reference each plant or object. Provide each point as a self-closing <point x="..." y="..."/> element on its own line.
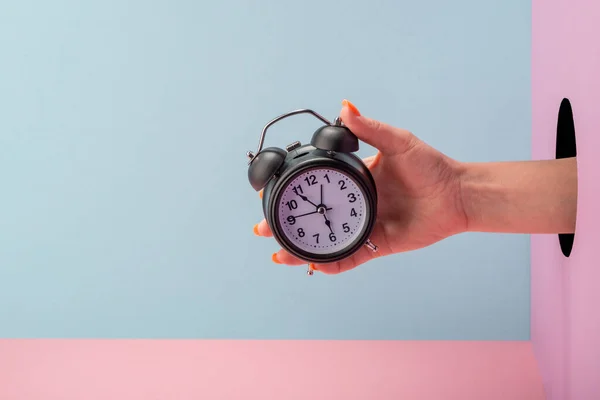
<point x="565" y="319"/>
<point x="205" y="369"/>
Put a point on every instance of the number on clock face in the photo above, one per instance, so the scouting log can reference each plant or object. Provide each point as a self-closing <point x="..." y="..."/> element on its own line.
<point x="322" y="211"/>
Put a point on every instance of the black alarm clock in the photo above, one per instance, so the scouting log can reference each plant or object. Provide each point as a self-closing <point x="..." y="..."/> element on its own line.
<point x="319" y="199"/>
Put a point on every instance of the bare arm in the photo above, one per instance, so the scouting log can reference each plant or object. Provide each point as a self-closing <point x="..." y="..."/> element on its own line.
<point x="425" y="196"/>
<point x="520" y="197"/>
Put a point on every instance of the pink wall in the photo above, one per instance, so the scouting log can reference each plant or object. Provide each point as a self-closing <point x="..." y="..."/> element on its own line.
<point x="565" y="319"/>
<point x="204" y="369"/>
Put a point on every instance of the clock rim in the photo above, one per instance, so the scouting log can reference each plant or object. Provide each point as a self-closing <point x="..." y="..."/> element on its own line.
<point x="363" y="181"/>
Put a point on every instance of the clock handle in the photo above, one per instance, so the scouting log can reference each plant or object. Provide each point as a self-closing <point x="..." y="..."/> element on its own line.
<point x="251" y="155"/>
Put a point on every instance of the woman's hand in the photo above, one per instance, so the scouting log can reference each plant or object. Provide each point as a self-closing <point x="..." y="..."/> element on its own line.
<point x="425" y="196"/>
<point x="418" y="188"/>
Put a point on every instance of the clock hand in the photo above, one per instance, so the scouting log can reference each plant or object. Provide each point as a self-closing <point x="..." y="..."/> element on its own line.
<point x="323" y="204"/>
<point x="302" y="215"/>
<point x="321" y="193"/>
<point x="323" y="211"/>
<point x="328" y="223"/>
<point x="306" y="199"/>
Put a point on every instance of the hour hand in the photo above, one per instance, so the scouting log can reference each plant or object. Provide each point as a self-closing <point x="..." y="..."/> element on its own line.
<point x="306" y="199"/>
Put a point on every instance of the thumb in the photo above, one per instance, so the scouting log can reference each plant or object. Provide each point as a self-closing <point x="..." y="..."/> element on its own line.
<point x="387" y="139"/>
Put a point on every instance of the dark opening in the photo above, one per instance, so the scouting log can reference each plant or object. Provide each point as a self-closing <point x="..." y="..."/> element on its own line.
<point x="565" y="148"/>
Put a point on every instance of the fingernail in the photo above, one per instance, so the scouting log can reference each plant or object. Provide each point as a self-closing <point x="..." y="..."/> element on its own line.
<point x="275" y="259"/>
<point x="312" y="266"/>
<point x="256" y="230"/>
<point x="260" y="194"/>
<point x="352" y="107"/>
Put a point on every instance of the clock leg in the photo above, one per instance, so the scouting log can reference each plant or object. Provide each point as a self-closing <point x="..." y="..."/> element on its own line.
<point x="310" y="271"/>
<point x="372" y="246"/>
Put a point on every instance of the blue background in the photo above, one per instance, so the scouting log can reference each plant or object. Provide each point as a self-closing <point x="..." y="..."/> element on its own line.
<point x="125" y="209"/>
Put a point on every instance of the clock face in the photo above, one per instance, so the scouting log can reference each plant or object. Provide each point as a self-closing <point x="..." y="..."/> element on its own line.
<point x="322" y="211"/>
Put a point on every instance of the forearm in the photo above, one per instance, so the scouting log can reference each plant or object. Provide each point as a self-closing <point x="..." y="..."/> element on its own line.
<point x="520" y="197"/>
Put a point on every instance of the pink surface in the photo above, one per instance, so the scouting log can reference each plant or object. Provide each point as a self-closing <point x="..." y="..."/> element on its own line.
<point x="565" y="317"/>
<point x="204" y="369"/>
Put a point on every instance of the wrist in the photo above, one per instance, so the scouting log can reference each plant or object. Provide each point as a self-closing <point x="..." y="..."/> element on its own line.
<point x="474" y="187"/>
<point x="456" y="209"/>
<point x="519" y="196"/>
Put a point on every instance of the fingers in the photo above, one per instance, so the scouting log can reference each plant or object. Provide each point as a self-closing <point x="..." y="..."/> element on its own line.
<point x="283" y="257"/>
<point x="369" y="160"/>
<point x="362" y="256"/>
<point x="387" y="139"/>
<point x="262" y="229"/>
<point x="372" y="161"/>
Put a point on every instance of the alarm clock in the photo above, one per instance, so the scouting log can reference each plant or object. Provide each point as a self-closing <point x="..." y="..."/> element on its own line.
<point x="319" y="198"/>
